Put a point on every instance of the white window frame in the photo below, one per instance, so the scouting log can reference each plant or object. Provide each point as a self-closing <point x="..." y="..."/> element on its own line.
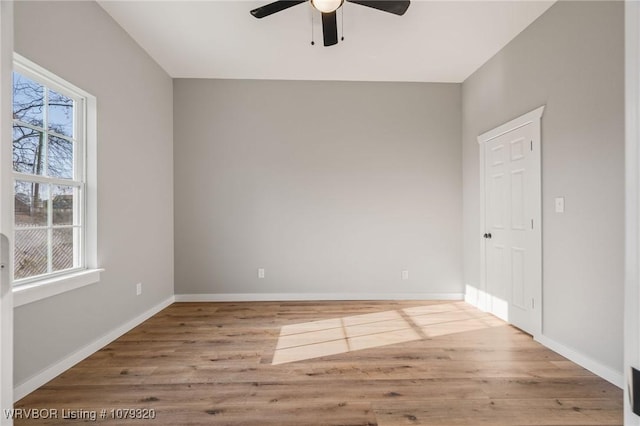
<point x="31" y="289"/>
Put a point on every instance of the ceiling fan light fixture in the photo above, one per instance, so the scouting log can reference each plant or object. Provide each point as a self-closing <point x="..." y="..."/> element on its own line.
<point x="326" y="6"/>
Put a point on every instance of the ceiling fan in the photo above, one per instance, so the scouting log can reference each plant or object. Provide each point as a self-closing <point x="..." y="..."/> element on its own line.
<point x="328" y="9"/>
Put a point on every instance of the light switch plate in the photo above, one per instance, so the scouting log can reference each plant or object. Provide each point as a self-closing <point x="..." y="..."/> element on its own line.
<point x="559" y="204"/>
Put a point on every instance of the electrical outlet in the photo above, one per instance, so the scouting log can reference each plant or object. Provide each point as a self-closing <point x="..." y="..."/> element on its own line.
<point x="138" y="289"/>
<point x="260" y="273"/>
<point x="405" y="275"/>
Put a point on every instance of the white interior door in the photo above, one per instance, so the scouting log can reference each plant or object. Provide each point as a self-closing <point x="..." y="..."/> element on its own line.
<point x="6" y="204"/>
<point x="511" y="223"/>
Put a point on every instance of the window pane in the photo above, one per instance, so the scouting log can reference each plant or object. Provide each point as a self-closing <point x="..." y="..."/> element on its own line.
<point x="60" y="117"/>
<point x="62" y="201"/>
<point x="30" y="253"/>
<point x="28" y="150"/>
<point x="60" y="158"/>
<point x="28" y="100"/>
<point x="30" y="203"/>
<point x="62" y="250"/>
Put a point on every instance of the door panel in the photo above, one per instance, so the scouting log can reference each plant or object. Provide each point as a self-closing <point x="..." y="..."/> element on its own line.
<point x="517" y="200"/>
<point x="517" y="149"/>
<point x="496" y="269"/>
<point x="518" y="290"/>
<point x="497" y="200"/>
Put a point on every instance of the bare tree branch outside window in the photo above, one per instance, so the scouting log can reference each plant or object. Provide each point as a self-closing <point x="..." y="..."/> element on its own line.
<point x="43" y="147"/>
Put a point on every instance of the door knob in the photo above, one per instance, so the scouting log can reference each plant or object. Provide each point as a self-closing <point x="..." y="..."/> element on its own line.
<point x="488" y="236"/>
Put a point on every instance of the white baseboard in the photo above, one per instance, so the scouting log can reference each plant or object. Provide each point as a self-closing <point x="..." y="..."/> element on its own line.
<point x="610" y="375"/>
<point x="283" y="297"/>
<point x="475" y="297"/>
<point x="25" y="388"/>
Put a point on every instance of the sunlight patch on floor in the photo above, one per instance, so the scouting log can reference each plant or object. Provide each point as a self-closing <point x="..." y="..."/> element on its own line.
<point x="440" y="320"/>
<point x="316" y="339"/>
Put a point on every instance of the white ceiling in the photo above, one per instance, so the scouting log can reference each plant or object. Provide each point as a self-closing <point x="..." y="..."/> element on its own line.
<point x="435" y="41"/>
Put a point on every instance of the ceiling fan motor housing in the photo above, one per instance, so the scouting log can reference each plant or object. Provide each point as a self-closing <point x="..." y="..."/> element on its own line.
<point x="327" y="6"/>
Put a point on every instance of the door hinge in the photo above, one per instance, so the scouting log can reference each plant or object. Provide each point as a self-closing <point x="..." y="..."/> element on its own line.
<point x="533" y="303"/>
<point x="531" y="223"/>
<point x="531" y="145"/>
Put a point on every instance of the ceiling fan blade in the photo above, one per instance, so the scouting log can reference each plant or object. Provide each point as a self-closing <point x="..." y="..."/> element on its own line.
<point x="275" y="7"/>
<point x="330" y="28"/>
<point x="398" y="7"/>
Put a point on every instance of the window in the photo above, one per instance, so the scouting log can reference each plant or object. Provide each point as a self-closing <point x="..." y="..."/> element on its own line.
<point x="49" y="175"/>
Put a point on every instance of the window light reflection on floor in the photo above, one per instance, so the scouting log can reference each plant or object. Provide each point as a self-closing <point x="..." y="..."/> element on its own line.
<point x="333" y="336"/>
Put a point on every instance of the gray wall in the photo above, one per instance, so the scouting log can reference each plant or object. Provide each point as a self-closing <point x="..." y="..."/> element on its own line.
<point x="571" y="60"/>
<point x="79" y="42"/>
<point x="332" y="187"/>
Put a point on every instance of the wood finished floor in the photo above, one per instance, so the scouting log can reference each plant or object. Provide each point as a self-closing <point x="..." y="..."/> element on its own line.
<point x="395" y="363"/>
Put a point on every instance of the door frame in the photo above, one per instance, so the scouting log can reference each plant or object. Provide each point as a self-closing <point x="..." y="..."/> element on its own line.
<point x="533" y="117"/>
<point x="6" y="292"/>
<point x="632" y="204"/>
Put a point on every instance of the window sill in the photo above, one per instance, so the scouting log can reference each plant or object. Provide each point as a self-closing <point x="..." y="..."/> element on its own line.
<point x="29" y="293"/>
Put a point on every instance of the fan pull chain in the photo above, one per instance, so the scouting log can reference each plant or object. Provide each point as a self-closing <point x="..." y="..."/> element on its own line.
<point x="312" y="37"/>
<point x="342" y="21"/>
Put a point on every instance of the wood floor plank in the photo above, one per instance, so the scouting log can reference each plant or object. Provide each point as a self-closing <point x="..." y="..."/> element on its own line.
<point x="392" y="363"/>
<point x="508" y="412"/>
